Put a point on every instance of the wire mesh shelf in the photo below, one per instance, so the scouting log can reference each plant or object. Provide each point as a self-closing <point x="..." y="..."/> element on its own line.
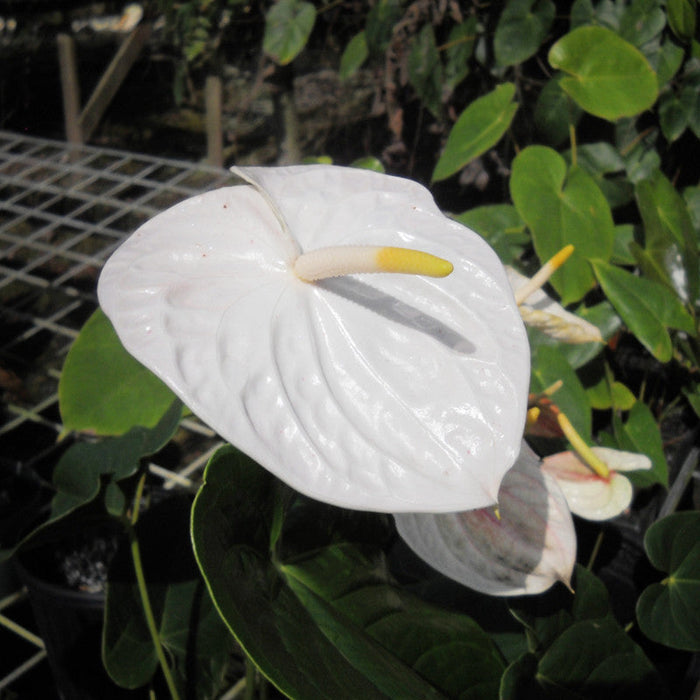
<point x="63" y="210"/>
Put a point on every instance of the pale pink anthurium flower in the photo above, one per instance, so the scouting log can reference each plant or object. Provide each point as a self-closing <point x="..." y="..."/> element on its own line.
<point x="524" y="546"/>
<point x="386" y="392"/>
<point x="591" y="479"/>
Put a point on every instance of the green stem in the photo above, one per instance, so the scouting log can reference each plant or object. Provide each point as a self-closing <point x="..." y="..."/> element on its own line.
<point x="572" y="139"/>
<point x="596" y="549"/>
<point x="143" y="593"/>
<point x="250" y="673"/>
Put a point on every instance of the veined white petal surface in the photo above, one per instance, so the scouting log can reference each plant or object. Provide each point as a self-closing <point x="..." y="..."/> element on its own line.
<point x="377" y="392"/>
<point x="543" y="313"/>
<point x="589" y="495"/>
<point x="530" y="547"/>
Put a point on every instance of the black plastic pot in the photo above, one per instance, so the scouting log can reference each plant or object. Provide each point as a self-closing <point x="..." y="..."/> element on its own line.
<point x="70" y="620"/>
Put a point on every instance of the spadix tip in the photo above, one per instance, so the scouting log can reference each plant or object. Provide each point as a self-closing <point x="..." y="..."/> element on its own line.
<point x="347" y="260"/>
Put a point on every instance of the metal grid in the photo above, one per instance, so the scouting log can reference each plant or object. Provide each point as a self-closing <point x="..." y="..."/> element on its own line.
<point x="63" y="210"/>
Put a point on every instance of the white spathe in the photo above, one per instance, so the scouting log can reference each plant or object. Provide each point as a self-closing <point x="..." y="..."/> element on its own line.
<point x="525" y="548"/>
<point x="377" y="391"/>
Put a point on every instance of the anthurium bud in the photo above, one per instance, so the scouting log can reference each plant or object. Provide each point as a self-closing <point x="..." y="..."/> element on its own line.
<point x="388" y="392"/>
<point x="540" y="311"/>
<point x="524" y="547"/>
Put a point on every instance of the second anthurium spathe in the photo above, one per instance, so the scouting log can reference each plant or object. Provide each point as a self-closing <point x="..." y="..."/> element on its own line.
<point x="524" y="546"/>
<point x="389" y="392"/>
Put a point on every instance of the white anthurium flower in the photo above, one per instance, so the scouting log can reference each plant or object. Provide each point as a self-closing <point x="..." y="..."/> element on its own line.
<point x="524" y="547"/>
<point x="540" y="311"/>
<point x="590" y="492"/>
<point x="386" y="392"/>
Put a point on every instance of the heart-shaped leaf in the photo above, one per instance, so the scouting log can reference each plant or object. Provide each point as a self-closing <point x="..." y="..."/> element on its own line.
<point x="521" y="28"/>
<point x="668" y="611"/>
<point x="606" y="75"/>
<point x="562" y="206"/>
<point x="288" y="25"/>
<point x="85" y="465"/>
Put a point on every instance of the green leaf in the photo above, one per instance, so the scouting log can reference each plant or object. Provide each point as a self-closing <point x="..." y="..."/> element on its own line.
<point x="316" y="625"/>
<point x="668" y="62"/>
<point x="605" y="395"/>
<point x="435" y="642"/>
<point x="692" y="393"/>
<point x="190" y="629"/>
<point x="79" y="473"/>
<point x="624" y="238"/>
<point x="550" y="365"/>
<point x="368" y="163"/>
<point x="459" y="49"/>
<point x="478" y="128"/>
<point x="640" y="433"/>
<point x="576" y="648"/>
<point x="522" y="27"/>
<point x="691" y="196"/>
<point x="607" y="76"/>
<point x="288" y="25"/>
<point x="354" y="55"/>
<point x="501" y="226"/>
<point x="668" y="611"/>
<point x="681" y="18"/>
<point x="103" y="389"/>
<point x="605" y="165"/>
<point x="642" y="21"/>
<point x="596" y="654"/>
<point x="647" y="307"/>
<point x="381" y="19"/>
<point x="560" y="207"/>
<point x="668" y="233"/>
<point x="582" y="13"/>
<point x="639" y="150"/>
<point x="555" y="111"/>
<point x="425" y="70"/>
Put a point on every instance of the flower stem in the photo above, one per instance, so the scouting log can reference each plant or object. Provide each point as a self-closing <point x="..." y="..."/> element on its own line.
<point x="250" y="673"/>
<point x="143" y="593"/>
<point x="572" y="139"/>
